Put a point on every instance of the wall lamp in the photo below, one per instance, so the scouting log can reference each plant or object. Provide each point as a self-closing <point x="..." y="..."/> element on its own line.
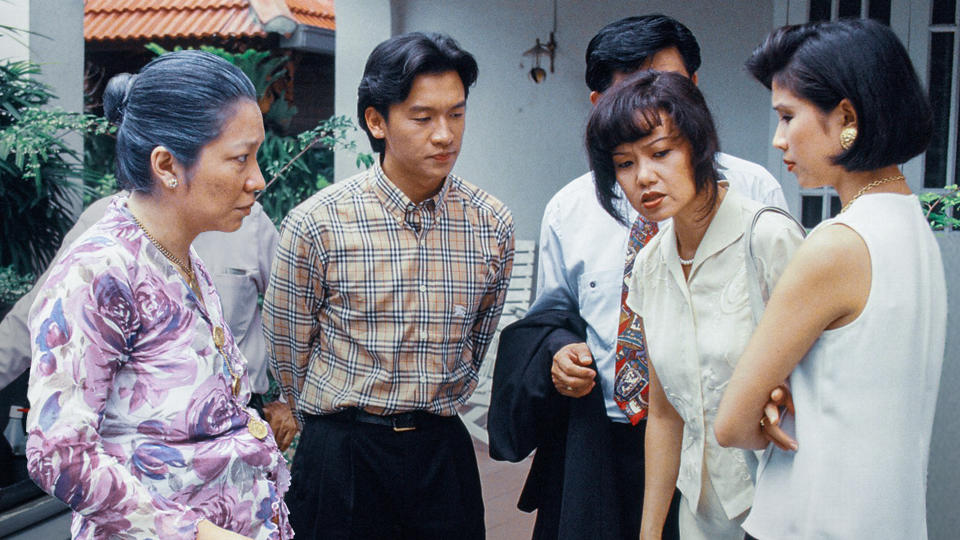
<point x="537" y="73"/>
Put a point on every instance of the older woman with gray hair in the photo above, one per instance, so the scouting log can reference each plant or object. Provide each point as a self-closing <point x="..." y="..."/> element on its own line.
<point x="138" y="390"/>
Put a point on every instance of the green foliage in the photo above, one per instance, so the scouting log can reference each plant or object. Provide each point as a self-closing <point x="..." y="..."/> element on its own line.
<point x="264" y="68"/>
<point x="938" y="205"/>
<point x="13" y="285"/>
<point x="261" y="66"/>
<point x="297" y="167"/>
<point x="36" y="168"/>
<point x="99" y="169"/>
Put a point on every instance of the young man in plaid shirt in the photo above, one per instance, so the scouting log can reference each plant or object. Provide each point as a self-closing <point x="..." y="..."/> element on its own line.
<point x="384" y="296"/>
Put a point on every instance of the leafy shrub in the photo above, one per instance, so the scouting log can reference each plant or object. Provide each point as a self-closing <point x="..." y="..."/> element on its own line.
<point x="297" y="167"/>
<point x="12" y="286"/>
<point x="938" y="208"/>
<point x="37" y="168"/>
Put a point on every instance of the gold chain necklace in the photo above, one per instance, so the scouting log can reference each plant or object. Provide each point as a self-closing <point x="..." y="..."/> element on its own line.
<point x="255" y="426"/>
<point x="185" y="269"/>
<point x="870" y="186"/>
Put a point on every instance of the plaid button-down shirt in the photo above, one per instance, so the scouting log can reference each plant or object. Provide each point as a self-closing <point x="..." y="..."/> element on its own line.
<point x="378" y="303"/>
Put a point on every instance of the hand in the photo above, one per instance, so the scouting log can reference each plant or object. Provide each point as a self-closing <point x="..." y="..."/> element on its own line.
<point x="282" y="422"/>
<point x="208" y="531"/>
<point x="770" y="423"/>
<point x="570" y="374"/>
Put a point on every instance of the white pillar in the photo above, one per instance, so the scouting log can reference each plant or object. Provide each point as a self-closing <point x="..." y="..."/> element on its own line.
<point x="361" y="26"/>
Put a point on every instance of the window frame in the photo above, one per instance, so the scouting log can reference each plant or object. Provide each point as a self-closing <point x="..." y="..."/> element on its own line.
<point x="910" y="20"/>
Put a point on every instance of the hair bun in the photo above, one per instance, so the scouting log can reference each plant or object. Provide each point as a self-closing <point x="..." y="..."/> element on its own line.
<point x="115" y="97"/>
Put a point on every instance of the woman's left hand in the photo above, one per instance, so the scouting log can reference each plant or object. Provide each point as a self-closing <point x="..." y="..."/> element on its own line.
<point x="770" y="422"/>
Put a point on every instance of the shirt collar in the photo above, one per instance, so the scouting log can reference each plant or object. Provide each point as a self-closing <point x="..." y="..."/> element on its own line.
<point x="396" y="201"/>
<point x="725" y="229"/>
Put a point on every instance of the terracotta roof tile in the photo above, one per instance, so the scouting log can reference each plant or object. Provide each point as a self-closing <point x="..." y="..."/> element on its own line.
<point x="120" y="20"/>
<point x="319" y="13"/>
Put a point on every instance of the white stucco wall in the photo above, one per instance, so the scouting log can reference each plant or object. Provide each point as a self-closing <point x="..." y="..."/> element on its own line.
<point x="56" y="44"/>
<point x="943" y="475"/>
<point x="16" y="14"/>
<point x="524" y="141"/>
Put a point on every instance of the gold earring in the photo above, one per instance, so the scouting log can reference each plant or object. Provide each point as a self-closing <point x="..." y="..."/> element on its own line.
<point x="172" y="183"/>
<point x="847" y="136"/>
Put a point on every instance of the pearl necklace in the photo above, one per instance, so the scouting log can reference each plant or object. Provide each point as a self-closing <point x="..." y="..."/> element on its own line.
<point x="870" y="186"/>
<point x="686" y="262"/>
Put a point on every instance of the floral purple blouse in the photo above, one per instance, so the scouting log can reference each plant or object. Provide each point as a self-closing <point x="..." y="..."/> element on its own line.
<point x="132" y="420"/>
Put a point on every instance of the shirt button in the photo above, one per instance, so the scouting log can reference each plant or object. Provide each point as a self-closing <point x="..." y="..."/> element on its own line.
<point x="423" y="335"/>
<point x="423" y="378"/>
<point x="423" y="288"/>
<point x="593" y="284"/>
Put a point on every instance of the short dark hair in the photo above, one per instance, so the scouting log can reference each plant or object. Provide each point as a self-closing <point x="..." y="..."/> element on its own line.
<point x="396" y="62"/>
<point x="861" y="60"/>
<point x="632" y="110"/>
<point x="623" y="46"/>
<point x="180" y="100"/>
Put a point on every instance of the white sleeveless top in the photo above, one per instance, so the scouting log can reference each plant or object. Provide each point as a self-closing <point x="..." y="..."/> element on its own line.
<point x="865" y="396"/>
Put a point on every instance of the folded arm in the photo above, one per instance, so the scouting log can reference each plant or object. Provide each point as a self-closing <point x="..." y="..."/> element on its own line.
<point x="824" y="286"/>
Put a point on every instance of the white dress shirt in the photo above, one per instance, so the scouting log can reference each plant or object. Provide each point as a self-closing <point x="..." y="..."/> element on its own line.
<point x="239" y="263"/>
<point x="582" y="253"/>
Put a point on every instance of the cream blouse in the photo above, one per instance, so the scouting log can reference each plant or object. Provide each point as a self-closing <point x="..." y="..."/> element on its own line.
<point x="697" y="329"/>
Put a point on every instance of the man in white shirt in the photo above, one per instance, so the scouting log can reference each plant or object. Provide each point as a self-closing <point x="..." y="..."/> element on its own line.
<point x="582" y="254"/>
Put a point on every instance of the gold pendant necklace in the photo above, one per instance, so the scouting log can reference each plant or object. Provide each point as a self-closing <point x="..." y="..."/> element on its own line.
<point x="255" y="426"/>
<point x="870" y="186"/>
<point x="185" y="269"/>
<point x="219" y="340"/>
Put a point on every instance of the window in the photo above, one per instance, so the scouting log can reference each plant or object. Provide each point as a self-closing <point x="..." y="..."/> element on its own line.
<point x="934" y="26"/>
<point x="942" y="160"/>
<point x="828" y="10"/>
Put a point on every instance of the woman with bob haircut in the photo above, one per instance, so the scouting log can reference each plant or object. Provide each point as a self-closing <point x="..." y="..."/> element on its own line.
<point x="857" y="323"/>
<point x="652" y="141"/>
<point x="138" y="390"/>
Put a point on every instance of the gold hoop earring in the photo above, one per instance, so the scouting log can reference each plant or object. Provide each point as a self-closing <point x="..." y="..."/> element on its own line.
<point x="847" y="136"/>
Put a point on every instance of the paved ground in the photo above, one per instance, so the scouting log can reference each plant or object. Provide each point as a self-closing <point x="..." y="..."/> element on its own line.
<point x="502" y="482"/>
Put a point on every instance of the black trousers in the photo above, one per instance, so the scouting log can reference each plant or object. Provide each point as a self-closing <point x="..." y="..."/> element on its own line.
<point x="352" y="479"/>
<point x="626" y="455"/>
<point x="628" y="460"/>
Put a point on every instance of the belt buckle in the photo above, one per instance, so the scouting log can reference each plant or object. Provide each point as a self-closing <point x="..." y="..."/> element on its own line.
<point x="402" y="428"/>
